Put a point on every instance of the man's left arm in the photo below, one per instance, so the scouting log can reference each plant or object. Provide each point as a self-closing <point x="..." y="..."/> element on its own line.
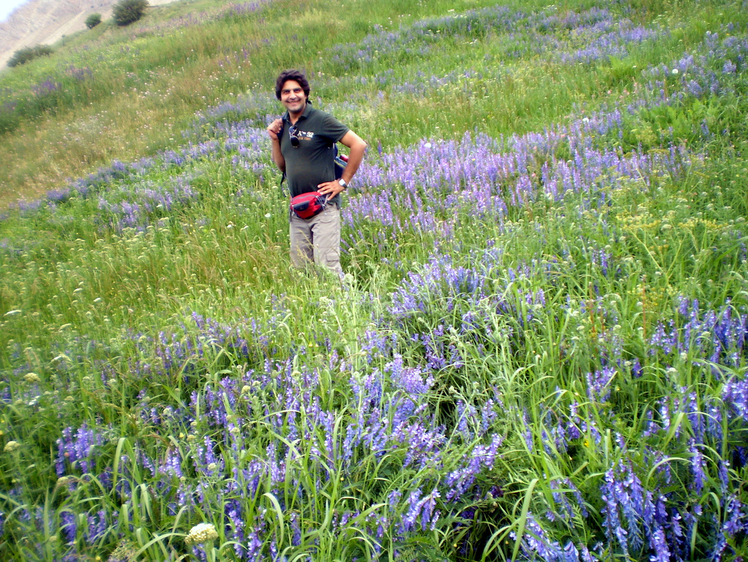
<point x="357" y="148"/>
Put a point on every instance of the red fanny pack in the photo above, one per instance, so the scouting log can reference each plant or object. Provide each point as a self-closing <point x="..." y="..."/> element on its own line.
<point x="307" y="205"/>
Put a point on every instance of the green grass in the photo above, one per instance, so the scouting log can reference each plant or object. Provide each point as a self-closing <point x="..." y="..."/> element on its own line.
<point x="131" y="91"/>
<point x="146" y="295"/>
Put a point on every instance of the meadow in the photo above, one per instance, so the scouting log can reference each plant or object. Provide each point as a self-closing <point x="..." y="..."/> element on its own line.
<point x="539" y="349"/>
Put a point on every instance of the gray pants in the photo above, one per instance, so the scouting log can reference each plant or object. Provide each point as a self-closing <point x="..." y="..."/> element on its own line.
<point x="317" y="240"/>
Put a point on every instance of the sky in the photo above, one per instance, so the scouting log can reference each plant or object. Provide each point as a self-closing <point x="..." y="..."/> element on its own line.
<point x="7" y="6"/>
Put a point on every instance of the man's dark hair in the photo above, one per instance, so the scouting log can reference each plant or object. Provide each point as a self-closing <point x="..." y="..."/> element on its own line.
<point x="287" y="75"/>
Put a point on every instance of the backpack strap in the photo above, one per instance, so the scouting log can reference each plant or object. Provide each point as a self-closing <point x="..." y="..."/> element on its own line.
<point x="283" y="193"/>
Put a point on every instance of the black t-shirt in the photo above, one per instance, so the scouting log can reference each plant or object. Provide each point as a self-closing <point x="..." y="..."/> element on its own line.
<point x="312" y="162"/>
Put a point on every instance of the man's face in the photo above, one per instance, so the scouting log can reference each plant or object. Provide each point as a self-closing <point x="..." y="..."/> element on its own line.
<point x="293" y="97"/>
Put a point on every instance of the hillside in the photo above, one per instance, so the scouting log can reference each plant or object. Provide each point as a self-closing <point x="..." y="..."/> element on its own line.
<point x="66" y="115"/>
<point x="45" y="22"/>
<point x="538" y="349"/>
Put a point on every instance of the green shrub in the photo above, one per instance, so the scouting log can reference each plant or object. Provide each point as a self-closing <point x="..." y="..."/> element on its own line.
<point x="22" y="56"/>
<point x="93" y="20"/>
<point x="129" y="11"/>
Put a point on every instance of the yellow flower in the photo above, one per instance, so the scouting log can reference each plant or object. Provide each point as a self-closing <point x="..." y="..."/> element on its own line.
<point x="11" y="446"/>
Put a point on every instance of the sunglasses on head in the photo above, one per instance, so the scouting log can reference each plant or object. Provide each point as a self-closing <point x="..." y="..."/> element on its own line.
<point x="292" y="134"/>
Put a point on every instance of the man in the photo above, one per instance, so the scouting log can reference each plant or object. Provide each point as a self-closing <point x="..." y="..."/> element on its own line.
<point x="302" y="147"/>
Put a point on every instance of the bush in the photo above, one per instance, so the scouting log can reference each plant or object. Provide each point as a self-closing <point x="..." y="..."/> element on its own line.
<point x="22" y="56"/>
<point x="93" y="20"/>
<point x="128" y="11"/>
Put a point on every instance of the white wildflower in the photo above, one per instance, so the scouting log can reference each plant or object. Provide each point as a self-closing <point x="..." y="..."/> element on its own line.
<point x="63" y="481"/>
<point x="200" y="533"/>
<point x="11" y="446"/>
